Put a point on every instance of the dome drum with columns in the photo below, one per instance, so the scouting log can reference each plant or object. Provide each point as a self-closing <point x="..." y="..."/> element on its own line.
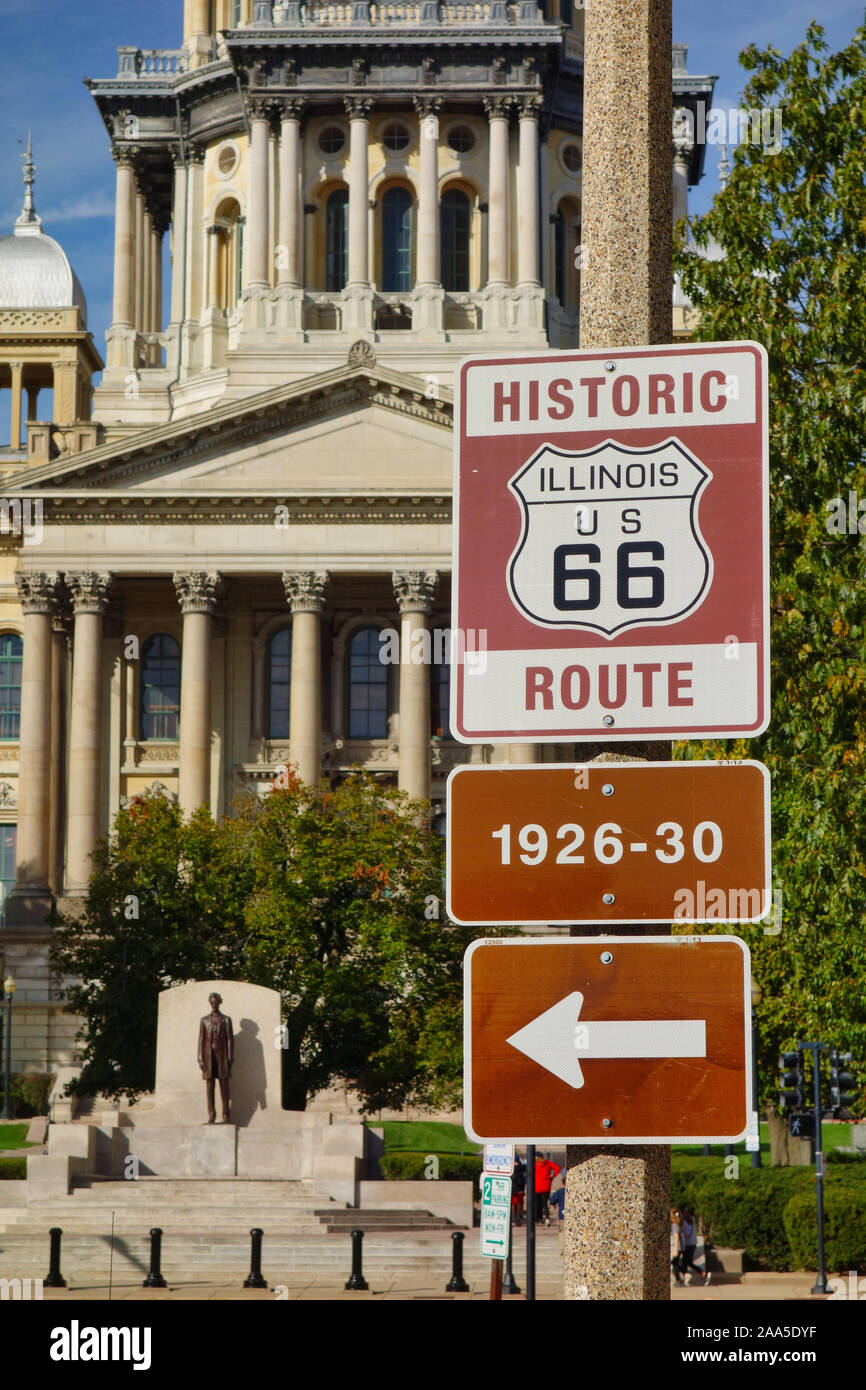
<point x="355" y="197"/>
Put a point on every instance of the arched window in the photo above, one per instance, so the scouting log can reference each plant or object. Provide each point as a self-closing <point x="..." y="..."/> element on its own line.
<point x="455" y="222"/>
<point x="368" y="686"/>
<point x="160" y="688"/>
<point x="11" y="651"/>
<point x="396" y="241"/>
<point x="8" y="839"/>
<point x="235" y="18"/>
<point x="337" y="240"/>
<point x="279" y="683"/>
<point x="229" y="254"/>
<point x="559" y="255"/>
<point x="440" y="699"/>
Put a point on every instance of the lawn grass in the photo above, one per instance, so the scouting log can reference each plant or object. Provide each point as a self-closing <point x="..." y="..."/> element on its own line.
<point x="425" y="1136"/>
<point x="14" y="1137"/>
<point x="835" y="1136"/>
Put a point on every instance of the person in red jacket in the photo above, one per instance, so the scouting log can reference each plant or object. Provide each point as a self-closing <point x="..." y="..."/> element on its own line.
<point x="545" y="1172"/>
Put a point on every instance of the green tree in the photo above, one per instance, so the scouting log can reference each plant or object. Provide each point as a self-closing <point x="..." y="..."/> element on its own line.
<point x="330" y="897"/>
<point x="165" y="904"/>
<point x="791" y="225"/>
<point x="345" y="921"/>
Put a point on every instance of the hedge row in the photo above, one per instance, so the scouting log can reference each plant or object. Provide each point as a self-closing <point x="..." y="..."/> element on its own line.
<point x="29" y="1092"/>
<point x="771" y="1212"/>
<point x="404" y="1166"/>
<point x="11" y="1168"/>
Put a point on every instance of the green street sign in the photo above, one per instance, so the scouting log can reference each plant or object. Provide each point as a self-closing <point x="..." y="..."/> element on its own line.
<point x="495" y="1216"/>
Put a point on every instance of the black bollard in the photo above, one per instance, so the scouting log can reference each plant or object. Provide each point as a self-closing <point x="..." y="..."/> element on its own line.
<point x="54" y="1279"/>
<point x="255" y="1280"/>
<point x="356" y="1279"/>
<point x="457" y="1284"/>
<point x="154" y="1279"/>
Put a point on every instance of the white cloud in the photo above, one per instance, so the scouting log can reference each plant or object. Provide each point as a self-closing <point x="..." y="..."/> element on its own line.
<point x="79" y="209"/>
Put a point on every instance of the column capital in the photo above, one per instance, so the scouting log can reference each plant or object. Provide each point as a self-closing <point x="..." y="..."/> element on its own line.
<point x="195" y="154"/>
<point x="90" y="591"/>
<point x="427" y="105"/>
<point x="197" y="592"/>
<point x="530" y="107"/>
<point x="36" y="592"/>
<point x="125" y="156"/>
<point x="306" y="590"/>
<point x="358" y="108"/>
<point x="262" y="108"/>
<point x="414" y="590"/>
<point x="291" y="108"/>
<point x="498" y="107"/>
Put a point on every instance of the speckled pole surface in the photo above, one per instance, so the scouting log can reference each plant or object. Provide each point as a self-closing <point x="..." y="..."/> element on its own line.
<point x="617" y="1207"/>
<point x="627" y="277"/>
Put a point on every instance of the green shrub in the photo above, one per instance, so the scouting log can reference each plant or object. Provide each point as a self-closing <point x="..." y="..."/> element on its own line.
<point x="410" y="1167"/>
<point x="744" y="1213"/>
<point x="29" y="1093"/>
<point x="844" y="1229"/>
<point x="11" y="1168"/>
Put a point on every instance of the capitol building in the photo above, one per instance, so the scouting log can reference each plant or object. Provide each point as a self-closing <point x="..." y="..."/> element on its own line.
<point x="321" y="209"/>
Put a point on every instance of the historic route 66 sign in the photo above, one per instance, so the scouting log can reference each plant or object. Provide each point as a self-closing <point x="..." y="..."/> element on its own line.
<point x="598" y="529"/>
<point x="611" y="545"/>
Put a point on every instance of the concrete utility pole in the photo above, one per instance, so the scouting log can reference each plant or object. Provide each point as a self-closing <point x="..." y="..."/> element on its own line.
<point x="617" y="1198"/>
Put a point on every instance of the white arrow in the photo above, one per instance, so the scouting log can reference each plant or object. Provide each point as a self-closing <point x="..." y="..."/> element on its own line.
<point x="557" y="1041"/>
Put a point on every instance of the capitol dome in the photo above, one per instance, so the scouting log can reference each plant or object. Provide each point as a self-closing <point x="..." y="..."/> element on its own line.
<point x="34" y="269"/>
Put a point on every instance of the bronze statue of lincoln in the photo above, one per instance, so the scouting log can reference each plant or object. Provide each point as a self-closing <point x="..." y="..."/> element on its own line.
<point x="216" y="1048"/>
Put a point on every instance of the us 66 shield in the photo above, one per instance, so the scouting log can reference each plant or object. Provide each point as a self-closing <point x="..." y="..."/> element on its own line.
<point x="610" y="543"/>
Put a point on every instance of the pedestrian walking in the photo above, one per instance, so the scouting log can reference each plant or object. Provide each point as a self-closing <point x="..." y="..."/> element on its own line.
<point x="689" y="1246"/>
<point x="545" y="1172"/>
<point x="518" y="1190"/>
<point x="676" y="1244"/>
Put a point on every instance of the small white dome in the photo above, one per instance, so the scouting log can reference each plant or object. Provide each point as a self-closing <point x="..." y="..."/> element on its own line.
<point x="35" y="272"/>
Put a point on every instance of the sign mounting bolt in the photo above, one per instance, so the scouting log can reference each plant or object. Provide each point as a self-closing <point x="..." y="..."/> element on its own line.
<point x="608" y="720"/>
<point x="607" y="789"/>
<point x="606" y="957"/>
<point x="610" y="366"/>
<point x="607" y="1124"/>
<point x="608" y="899"/>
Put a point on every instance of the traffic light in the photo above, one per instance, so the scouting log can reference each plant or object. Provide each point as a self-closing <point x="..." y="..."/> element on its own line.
<point x="802" y="1126"/>
<point x="791" y="1093"/>
<point x="842" y="1093"/>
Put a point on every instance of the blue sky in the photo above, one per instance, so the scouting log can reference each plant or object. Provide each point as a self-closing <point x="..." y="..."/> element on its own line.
<point x="49" y="46"/>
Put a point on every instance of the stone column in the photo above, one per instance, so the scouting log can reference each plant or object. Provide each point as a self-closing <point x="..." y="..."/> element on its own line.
<point x="121" y="332"/>
<point x="414" y="590"/>
<point x="178" y="241"/>
<point x="527" y="194"/>
<point x="289" y="267"/>
<point x="32" y="401"/>
<point x="617" y="1216"/>
<point x="429" y="296"/>
<point x="683" y="147"/>
<point x="140" y="253"/>
<point x="256" y="270"/>
<point x="30" y="899"/>
<point x="57" y="811"/>
<point x="197" y="595"/>
<point x="86" y="732"/>
<point x="156" y="288"/>
<point x="305" y="594"/>
<point x="497" y="109"/>
<point x="16" y="369"/>
<point x="358" y="294"/>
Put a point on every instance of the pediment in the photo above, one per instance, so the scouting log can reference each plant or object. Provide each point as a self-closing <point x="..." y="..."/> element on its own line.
<point x="350" y="430"/>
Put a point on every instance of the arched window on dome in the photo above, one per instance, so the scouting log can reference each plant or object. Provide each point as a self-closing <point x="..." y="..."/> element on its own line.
<point x="396" y="240"/>
<point x="11" y="654"/>
<point x="455" y="223"/>
<point x="337" y="240"/>
<point x="228" y="270"/>
<point x="368" y="686"/>
<point x="279" y="677"/>
<point x="160" y="688"/>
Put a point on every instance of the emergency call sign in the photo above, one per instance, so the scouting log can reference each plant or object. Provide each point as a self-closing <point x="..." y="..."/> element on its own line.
<point x="611" y="545"/>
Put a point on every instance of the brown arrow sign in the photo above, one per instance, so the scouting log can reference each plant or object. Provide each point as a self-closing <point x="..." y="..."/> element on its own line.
<point x="619" y="1040"/>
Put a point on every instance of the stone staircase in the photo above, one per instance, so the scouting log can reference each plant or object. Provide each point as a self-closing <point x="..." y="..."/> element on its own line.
<point x="206" y="1239"/>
